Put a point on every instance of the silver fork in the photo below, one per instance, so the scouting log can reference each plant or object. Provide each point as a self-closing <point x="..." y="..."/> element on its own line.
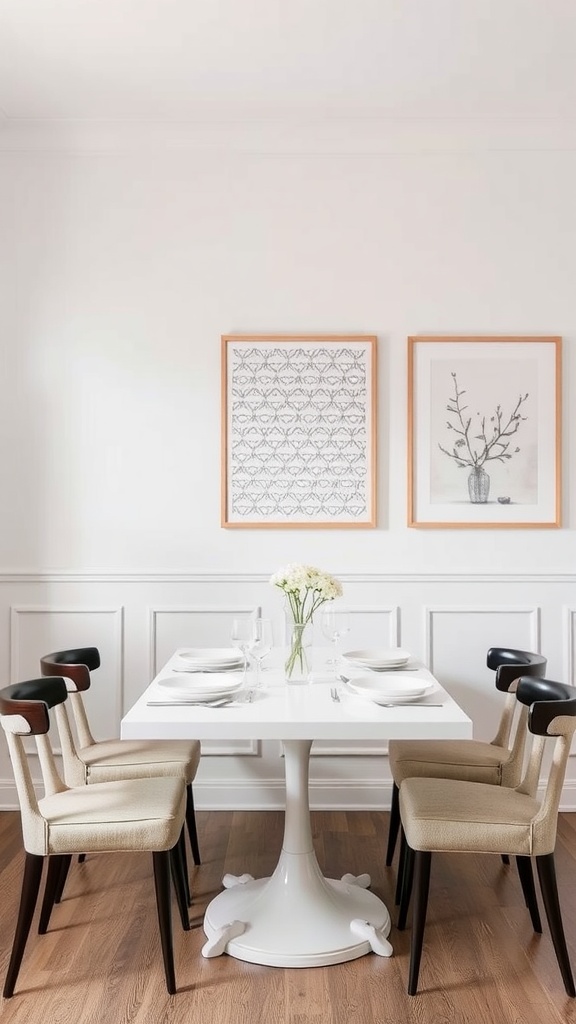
<point x="335" y="695"/>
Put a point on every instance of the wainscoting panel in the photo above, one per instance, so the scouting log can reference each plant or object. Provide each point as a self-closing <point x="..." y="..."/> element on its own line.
<point x="471" y="631"/>
<point x="136" y="620"/>
<point x="38" y="630"/>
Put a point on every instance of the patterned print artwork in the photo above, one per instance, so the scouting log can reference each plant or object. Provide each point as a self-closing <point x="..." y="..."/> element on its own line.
<point x="299" y="431"/>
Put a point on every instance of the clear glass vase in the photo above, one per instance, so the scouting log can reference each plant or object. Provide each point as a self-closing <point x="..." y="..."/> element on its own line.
<point x="298" y="662"/>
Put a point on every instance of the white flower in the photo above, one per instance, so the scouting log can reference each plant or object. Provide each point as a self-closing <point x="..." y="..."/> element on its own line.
<point x="306" y="588"/>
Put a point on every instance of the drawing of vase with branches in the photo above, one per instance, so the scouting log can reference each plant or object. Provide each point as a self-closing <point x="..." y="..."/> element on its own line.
<point x="481" y="440"/>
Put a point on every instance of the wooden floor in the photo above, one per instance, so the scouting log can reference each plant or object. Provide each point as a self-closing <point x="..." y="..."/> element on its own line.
<point x="100" y="962"/>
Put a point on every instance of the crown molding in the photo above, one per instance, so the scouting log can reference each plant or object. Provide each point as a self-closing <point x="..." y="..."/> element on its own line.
<point x="370" y="136"/>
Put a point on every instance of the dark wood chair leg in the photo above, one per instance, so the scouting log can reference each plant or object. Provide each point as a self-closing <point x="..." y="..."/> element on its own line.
<point x="549" y="887"/>
<point x="81" y="858"/>
<point x="64" y="867"/>
<point x="161" y="861"/>
<point x="191" y="824"/>
<point x="505" y="858"/>
<point x="401" y="861"/>
<point x="406" y="887"/>
<point x="394" y="825"/>
<point x="56" y="868"/>
<point x="30" y="886"/>
<point x="178" y="879"/>
<point x="526" y="875"/>
<point x="422" y="862"/>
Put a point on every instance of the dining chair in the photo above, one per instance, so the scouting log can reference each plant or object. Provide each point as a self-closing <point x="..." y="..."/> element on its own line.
<point x="131" y="815"/>
<point x="86" y="760"/>
<point x="455" y="816"/>
<point x="497" y="762"/>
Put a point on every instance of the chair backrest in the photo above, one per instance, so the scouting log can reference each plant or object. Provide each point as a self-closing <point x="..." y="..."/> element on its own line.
<point x="75" y="665"/>
<point x="551" y="713"/>
<point x="509" y="664"/>
<point x="24" y="712"/>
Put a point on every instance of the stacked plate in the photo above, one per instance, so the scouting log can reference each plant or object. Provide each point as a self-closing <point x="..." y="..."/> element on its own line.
<point x="399" y="691"/>
<point x="200" y="689"/>
<point x="204" y="674"/>
<point x="378" y="659"/>
<point x="209" y="659"/>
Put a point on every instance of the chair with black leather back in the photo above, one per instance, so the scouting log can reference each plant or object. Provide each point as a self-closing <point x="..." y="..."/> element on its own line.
<point x="497" y="762"/>
<point x="87" y="760"/>
<point x="131" y="815"/>
<point x="454" y="816"/>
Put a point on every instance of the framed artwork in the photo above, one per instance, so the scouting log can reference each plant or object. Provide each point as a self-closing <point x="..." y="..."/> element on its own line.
<point x="484" y="431"/>
<point x="298" y="431"/>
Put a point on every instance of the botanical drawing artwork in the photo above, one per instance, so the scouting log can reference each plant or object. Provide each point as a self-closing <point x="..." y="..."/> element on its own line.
<point x="484" y="446"/>
<point x="298" y="432"/>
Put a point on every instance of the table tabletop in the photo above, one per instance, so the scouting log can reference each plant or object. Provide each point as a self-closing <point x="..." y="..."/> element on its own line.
<point x="285" y="711"/>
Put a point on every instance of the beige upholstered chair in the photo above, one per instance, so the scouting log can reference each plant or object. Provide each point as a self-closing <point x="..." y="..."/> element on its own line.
<point x="454" y="816"/>
<point x="107" y="817"/>
<point x="89" y="760"/>
<point x="498" y="762"/>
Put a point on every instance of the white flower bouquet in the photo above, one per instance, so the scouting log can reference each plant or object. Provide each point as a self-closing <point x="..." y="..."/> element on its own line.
<point x="306" y="588"/>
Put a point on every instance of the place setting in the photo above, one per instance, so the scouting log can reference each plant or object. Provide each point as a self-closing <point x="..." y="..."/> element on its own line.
<point x="213" y="677"/>
<point x="380" y="675"/>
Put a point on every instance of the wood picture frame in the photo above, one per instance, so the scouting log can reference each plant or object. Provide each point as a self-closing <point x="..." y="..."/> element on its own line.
<point x="484" y="432"/>
<point x="298" y="431"/>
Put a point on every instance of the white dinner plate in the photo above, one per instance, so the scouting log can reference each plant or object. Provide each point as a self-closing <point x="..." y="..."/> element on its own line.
<point x="214" y="659"/>
<point x="201" y="687"/>
<point x="388" y="657"/>
<point x="211" y="654"/>
<point x="400" y="690"/>
<point x="181" y="665"/>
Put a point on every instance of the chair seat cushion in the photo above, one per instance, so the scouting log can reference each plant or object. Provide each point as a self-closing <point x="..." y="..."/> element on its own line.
<point x="137" y="814"/>
<point x="449" y="815"/>
<point x="107" y="760"/>
<point x="470" y="760"/>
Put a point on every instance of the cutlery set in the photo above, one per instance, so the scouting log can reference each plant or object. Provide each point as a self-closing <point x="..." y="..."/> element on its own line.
<point x="222" y="702"/>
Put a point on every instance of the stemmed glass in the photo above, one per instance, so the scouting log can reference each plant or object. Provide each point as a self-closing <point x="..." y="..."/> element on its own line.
<point x="335" y="624"/>
<point x="261" y="645"/>
<point x="242" y="635"/>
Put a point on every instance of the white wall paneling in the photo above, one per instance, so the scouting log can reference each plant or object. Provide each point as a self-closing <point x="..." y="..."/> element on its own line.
<point x="449" y="620"/>
<point x="457" y="641"/>
<point x="38" y="630"/>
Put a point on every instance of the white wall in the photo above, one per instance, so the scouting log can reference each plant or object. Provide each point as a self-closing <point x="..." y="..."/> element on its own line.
<point x="125" y="257"/>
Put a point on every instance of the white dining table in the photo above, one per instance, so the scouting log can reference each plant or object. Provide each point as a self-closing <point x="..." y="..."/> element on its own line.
<point x="296" y="917"/>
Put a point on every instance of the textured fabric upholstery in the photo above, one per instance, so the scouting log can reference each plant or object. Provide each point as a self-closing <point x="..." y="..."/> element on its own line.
<point x="133" y="814"/>
<point x="459" y="759"/>
<point x="448" y="814"/>
<point x="138" y="814"/>
<point x="134" y="759"/>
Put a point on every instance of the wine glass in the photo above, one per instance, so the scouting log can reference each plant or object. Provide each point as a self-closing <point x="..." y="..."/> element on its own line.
<point x="242" y="634"/>
<point x="261" y="645"/>
<point x="335" y="623"/>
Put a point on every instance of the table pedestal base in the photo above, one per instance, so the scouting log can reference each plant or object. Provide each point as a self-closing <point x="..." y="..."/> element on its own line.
<point x="331" y="921"/>
<point x="296" y="918"/>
